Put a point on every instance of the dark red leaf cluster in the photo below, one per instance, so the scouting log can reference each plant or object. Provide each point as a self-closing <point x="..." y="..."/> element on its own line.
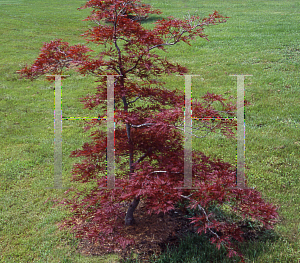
<point x="55" y="56"/>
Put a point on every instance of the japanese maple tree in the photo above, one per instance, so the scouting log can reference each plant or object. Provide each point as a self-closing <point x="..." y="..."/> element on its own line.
<point x="149" y="135"/>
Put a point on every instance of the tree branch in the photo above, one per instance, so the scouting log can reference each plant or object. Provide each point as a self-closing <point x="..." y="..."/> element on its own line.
<point x="143" y="156"/>
<point x="134" y="100"/>
<point x="163" y="44"/>
<point x="203" y="210"/>
<point x="141" y="125"/>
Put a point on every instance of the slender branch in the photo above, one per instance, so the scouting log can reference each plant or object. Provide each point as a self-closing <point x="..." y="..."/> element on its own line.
<point x="95" y="20"/>
<point x="115" y="40"/>
<point x="165" y="172"/>
<point x="143" y="156"/>
<point x="134" y="100"/>
<point x="141" y="125"/>
<point x="163" y="44"/>
<point x="179" y="36"/>
<point x="203" y="210"/>
<point x="128" y="41"/>
<point x="177" y="127"/>
<point x="132" y="68"/>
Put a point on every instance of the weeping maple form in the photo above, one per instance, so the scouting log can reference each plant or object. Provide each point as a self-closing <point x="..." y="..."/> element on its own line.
<point x="150" y="135"/>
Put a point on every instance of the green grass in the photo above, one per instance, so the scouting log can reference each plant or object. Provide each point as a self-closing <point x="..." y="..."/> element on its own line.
<point x="261" y="39"/>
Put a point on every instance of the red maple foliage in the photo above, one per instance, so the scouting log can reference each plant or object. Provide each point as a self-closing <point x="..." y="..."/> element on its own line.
<point x="150" y="134"/>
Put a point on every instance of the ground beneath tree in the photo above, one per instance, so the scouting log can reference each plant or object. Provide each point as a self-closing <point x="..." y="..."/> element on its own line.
<point x="151" y="234"/>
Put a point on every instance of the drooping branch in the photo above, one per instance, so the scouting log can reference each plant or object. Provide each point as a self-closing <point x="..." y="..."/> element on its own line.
<point x="142" y="125"/>
<point x="174" y="126"/>
<point x="203" y="211"/>
<point x="143" y="156"/>
<point x="130" y="102"/>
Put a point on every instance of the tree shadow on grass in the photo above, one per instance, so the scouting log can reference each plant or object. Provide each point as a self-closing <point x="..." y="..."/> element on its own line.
<point x="195" y="248"/>
<point x="171" y="238"/>
<point x="189" y="247"/>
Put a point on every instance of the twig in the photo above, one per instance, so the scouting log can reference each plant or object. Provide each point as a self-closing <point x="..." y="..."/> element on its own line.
<point x="203" y="210"/>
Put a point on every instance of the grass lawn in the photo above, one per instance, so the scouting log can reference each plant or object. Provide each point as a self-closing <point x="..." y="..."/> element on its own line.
<point x="261" y="39"/>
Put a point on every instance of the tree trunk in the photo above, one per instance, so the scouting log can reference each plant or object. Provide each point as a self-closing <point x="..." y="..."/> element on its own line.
<point x="129" y="219"/>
